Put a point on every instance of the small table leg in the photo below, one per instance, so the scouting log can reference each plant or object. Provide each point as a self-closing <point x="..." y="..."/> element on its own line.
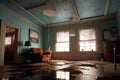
<point x="115" y="66"/>
<point x="115" y="58"/>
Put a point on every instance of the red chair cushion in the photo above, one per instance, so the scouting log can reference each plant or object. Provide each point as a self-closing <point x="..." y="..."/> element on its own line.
<point x="35" y="50"/>
<point x="40" y="51"/>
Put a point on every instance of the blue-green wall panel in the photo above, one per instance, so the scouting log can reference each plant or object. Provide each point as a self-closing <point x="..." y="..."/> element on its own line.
<point x="107" y="26"/>
<point x="45" y="41"/>
<point x="52" y="39"/>
<point x="48" y="42"/>
<point x="24" y="28"/>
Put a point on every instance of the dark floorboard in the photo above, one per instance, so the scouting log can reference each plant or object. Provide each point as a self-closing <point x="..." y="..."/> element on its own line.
<point x="61" y="70"/>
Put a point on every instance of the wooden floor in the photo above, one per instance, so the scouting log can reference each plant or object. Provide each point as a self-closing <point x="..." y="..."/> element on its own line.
<point x="61" y="70"/>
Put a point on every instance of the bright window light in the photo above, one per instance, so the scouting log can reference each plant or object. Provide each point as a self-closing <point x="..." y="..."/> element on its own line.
<point x="8" y="41"/>
<point x="87" y="40"/>
<point x="63" y="75"/>
<point x="62" y="41"/>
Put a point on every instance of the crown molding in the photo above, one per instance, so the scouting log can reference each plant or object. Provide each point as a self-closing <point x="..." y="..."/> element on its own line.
<point x="3" y="7"/>
<point x="41" y="21"/>
<point x="85" y="23"/>
<point x="107" y="7"/>
<point x="86" y="20"/>
<point x="75" y="9"/>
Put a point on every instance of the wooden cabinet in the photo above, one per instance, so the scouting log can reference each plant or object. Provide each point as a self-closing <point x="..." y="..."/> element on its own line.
<point x="108" y="50"/>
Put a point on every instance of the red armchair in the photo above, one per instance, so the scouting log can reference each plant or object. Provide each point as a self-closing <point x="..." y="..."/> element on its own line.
<point x="46" y="56"/>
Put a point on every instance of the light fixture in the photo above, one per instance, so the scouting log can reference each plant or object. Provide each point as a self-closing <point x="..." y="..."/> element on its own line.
<point x="27" y="43"/>
<point x="50" y="9"/>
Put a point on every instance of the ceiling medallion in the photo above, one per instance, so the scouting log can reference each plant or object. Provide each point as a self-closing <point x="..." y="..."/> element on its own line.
<point x="50" y="9"/>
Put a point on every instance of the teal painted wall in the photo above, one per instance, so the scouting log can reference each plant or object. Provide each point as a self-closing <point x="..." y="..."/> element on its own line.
<point x="45" y="37"/>
<point x="24" y="28"/>
<point x="49" y="39"/>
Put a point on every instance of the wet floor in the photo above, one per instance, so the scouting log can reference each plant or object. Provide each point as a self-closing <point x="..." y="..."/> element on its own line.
<point x="62" y="70"/>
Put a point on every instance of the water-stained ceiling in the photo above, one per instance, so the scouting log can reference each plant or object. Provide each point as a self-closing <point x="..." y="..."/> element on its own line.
<point x="67" y="10"/>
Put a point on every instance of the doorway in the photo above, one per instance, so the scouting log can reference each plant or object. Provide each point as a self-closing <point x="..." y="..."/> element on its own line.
<point x="11" y="40"/>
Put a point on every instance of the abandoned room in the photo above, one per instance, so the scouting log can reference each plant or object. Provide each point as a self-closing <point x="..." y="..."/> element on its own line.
<point x="59" y="40"/>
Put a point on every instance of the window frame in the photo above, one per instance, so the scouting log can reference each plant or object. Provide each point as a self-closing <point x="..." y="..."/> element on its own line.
<point x="64" y="41"/>
<point x="87" y="40"/>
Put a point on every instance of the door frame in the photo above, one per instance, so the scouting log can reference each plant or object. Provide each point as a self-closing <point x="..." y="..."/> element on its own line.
<point x="2" y="44"/>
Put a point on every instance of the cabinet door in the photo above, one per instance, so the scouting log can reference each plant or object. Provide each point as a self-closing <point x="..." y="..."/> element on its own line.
<point x="108" y="50"/>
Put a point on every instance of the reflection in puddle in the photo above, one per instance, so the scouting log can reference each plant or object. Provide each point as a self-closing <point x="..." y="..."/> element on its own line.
<point x="60" y="63"/>
<point x="63" y="71"/>
<point x="63" y="75"/>
<point x="90" y="69"/>
<point x="72" y="70"/>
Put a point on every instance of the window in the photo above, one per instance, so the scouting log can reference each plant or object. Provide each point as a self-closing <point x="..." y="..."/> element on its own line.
<point x="8" y="40"/>
<point x="87" y="40"/>
<point x="62" y="41"/>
